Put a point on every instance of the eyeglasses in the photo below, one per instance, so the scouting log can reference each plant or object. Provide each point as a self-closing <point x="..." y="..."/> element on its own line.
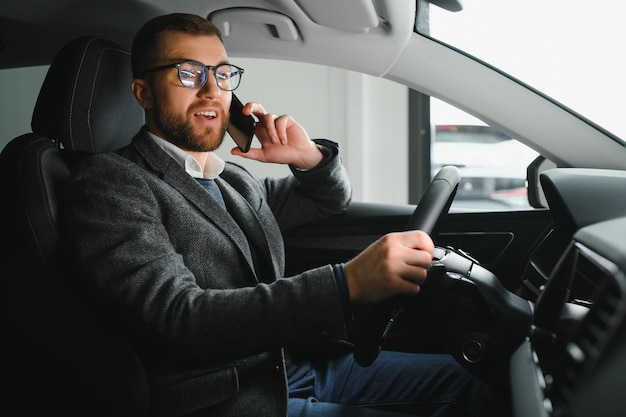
<point x="194" y="74"/>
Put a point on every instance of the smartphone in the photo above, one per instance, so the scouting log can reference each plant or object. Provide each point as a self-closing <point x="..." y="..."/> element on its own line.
<point x="241" y="127"/>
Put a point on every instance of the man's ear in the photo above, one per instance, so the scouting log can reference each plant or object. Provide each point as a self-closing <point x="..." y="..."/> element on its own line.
<point x="142" y="92"/>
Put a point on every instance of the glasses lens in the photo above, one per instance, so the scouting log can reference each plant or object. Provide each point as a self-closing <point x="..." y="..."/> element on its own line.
<point x="192" y="74"/>
<point x="228" y="77"/>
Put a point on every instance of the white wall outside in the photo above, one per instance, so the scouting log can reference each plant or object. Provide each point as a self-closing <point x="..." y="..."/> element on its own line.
<point x="367" y="116"/>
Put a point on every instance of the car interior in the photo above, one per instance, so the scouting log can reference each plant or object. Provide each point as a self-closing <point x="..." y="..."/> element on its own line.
<point x="79" y="365"/>
<point x="532" y="301"/>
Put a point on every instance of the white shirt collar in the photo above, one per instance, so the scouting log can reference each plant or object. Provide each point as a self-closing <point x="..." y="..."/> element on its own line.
<point x="214" y="166"/>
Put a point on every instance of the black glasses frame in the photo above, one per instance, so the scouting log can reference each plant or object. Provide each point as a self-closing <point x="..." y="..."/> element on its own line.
<point x="204" y="75"/>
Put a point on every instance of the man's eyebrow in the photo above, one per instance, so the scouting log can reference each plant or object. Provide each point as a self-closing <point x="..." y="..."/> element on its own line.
<point x="226" y="62"/>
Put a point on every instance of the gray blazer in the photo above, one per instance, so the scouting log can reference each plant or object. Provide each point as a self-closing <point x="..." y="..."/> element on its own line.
<point x="174" y="269"/>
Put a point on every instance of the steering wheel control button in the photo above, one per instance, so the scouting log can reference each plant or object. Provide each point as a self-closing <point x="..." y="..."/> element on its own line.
<point x="438" y="253"/>
<point x="455" y="275"/>
<point x="468" y="256"/>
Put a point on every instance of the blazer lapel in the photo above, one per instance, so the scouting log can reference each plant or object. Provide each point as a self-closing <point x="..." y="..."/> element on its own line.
<point x="176" y="176"/>
<point x="248" y="220"/>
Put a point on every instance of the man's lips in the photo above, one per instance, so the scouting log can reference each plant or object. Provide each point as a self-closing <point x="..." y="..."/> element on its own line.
<point x="211" y="114"/>
<point x="208" y="117"/>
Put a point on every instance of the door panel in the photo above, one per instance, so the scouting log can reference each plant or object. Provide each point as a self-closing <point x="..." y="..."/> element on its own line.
<point x="500" y="241"/>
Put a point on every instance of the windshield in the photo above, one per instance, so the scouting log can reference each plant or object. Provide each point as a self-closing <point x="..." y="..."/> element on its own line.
<point x="570" y="50"/>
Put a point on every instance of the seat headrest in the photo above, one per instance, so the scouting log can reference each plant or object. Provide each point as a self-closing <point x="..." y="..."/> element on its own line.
<point x="85" y="102"/>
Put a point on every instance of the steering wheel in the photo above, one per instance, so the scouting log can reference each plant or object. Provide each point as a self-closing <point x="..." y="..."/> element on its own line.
<point x="428" y="216"/>
<point x="433" y="207"/>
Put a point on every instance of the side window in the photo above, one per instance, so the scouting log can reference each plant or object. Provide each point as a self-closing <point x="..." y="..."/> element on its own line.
<point x="492" y="164"/>
<point x="19" y="87"/>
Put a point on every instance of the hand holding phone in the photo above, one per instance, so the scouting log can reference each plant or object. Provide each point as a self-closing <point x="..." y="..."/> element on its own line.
<point x="241" y="127"/>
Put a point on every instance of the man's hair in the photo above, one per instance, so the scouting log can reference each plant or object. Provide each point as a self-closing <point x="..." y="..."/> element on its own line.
<point x="147" y="43"/>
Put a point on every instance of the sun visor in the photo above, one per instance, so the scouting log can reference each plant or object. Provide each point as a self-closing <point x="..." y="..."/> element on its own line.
<point x="352" y="16"/>
<point x="279" y="25"/>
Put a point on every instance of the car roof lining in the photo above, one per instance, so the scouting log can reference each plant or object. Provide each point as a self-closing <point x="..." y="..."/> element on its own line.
<point x="47" y="29"/>
<point x="401" y="55"/>
<point x="326" y="45"/>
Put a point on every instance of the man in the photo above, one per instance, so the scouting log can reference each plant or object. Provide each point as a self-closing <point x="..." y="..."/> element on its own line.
<point x="186" y="253"/>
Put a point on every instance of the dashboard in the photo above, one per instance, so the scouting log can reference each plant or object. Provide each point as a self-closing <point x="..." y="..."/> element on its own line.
<point x="577" y="198"/>
<point x="573" y="363"/>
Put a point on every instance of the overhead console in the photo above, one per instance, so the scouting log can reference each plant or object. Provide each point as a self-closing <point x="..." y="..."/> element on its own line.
<point x="298" y="31"/>
<point x="574" y="362"/>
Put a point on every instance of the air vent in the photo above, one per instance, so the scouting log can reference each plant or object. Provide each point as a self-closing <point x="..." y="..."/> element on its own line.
<point x="596" y="333"/>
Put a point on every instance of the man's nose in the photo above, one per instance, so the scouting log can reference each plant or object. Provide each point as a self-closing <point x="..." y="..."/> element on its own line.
<point x="210" y="88"/>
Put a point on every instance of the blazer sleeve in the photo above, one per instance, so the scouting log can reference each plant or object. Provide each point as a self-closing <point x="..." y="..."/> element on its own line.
<point x="310" y="195"/>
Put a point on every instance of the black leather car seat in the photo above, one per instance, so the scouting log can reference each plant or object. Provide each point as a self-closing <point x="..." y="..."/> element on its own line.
<point x="59" y="361"/>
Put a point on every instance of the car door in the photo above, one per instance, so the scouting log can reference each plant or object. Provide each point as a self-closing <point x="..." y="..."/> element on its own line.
<point x="500" y="241"/>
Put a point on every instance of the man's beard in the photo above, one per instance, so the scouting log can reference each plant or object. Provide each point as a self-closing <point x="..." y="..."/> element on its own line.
<point x="181" y="133"/>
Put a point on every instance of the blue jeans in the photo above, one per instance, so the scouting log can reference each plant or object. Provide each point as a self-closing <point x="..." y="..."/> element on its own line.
<point x="395" y="384"/>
